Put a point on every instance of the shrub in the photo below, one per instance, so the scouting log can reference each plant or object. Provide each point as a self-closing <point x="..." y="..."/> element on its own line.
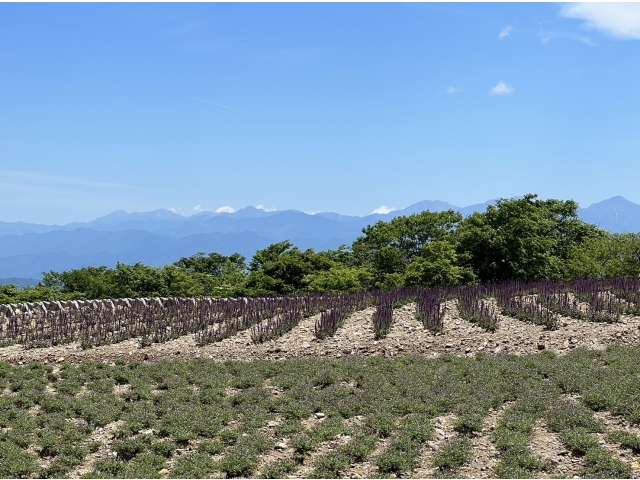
<point x="211" y="447"/>
<point x="578" y="440"/>
<point x="330" y="465"/>
<point x="238" y="462"/>
<point x="600" y="465"/>
<point x="626" y="440"/>
<point x="129" y="448"/>
<point x="453" y="455"/>
<point x="279" y="469"/>
<point x="568" y="415"/>
<point x="163" y="448"/>
<point x="15" y="462"/>
<point x="193" y="465"/>
<point x="145" y="465"/>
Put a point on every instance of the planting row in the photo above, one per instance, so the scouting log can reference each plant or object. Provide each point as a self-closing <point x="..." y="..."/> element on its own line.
<point x="95" y="323"/>
<point x="158" y="320"/>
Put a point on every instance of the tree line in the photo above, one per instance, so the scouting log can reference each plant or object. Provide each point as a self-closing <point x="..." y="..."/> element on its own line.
<point x="523" y="239"/>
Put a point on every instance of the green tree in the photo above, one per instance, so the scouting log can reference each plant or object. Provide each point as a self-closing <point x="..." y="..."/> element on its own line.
<point x="388" y="248"/>
<point x="89" y="282"/>
<point x="343" y="256"/>
<point x="14" y="294"/>
<point x="605" y="256"/>
<point x="340" y="279"/>
<point x="143" y="281"/>
<point x="525" y="239"/>
<point x="213" y="264"/>
<point x="407" y="234"/>
<point x="281" y="269"/>
<point x="438" y="265"/>
<point x="229" y="274"/>
<point x="140" y="280"/>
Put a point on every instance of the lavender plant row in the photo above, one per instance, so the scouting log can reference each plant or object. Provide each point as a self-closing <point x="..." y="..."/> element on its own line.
<point x="156" y="320"/>
<point x="105" y="322"/>
<point x="382" y="319"/>
<point x="628" y="291"/>
<point x="430" y="308"/>
<point x="385" y="302"/>
<point x="516" y="300"/>
<point x="542" y="302"/>
<point x="474" y="305"/>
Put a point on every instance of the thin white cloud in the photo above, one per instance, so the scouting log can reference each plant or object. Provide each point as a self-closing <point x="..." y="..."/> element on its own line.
<point x="49" y="179"/>
<point x="197" y="208"/>
<point x="265" y="209"/>
<point x="383" y="210"/>
<point x="547" y="36"/>
<point x="502" y="89"/>
<point x="505" y="32"/>
<point x="216" y="104"/>
<point x="619" y="20"/>
<point x="450" y="90"/>
<point x="225" y="209"/>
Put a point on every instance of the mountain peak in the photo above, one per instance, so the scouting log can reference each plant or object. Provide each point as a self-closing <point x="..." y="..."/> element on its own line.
<point x="616" y="214"/>
<point x="616" y="202"/>
<point x="618" y="199"/>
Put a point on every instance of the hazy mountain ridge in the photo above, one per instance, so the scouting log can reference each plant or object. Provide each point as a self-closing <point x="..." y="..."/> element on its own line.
<point x="20" y="282"/>
<point x="162" y="236"/>
<point x="616" y="214"/>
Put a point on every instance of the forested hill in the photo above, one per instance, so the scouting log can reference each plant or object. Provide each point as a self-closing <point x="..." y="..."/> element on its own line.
<point x="523" y="239"/>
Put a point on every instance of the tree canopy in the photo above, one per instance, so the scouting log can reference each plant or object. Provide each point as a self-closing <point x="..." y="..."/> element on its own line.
<point x="522" y="239"/>
<point x="282" y="268"/>
<point x="388" y="248"/>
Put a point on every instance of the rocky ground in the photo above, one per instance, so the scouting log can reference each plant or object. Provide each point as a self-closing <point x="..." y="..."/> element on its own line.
<point x="356" y="337"/>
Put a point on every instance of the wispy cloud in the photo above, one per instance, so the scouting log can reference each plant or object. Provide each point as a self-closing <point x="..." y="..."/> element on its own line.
<point x="502" y="89"/>
<point x="547" y="36"/>
<point x="225" y="209"/>
<point x="197" y="209"/>
<point x="619" y="20"/>
<point x="216" y="104"/>
<point x="450" y="90"/>
<point x="505" y="32"/>
<point x="37" y="177"/>
<point x="383" y="210"/>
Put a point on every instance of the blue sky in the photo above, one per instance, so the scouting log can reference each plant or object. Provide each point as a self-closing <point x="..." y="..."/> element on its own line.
<point x="315" y="107"/>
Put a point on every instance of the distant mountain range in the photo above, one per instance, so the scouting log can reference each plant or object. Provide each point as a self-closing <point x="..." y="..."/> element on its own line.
<point x="160" y="237"/>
